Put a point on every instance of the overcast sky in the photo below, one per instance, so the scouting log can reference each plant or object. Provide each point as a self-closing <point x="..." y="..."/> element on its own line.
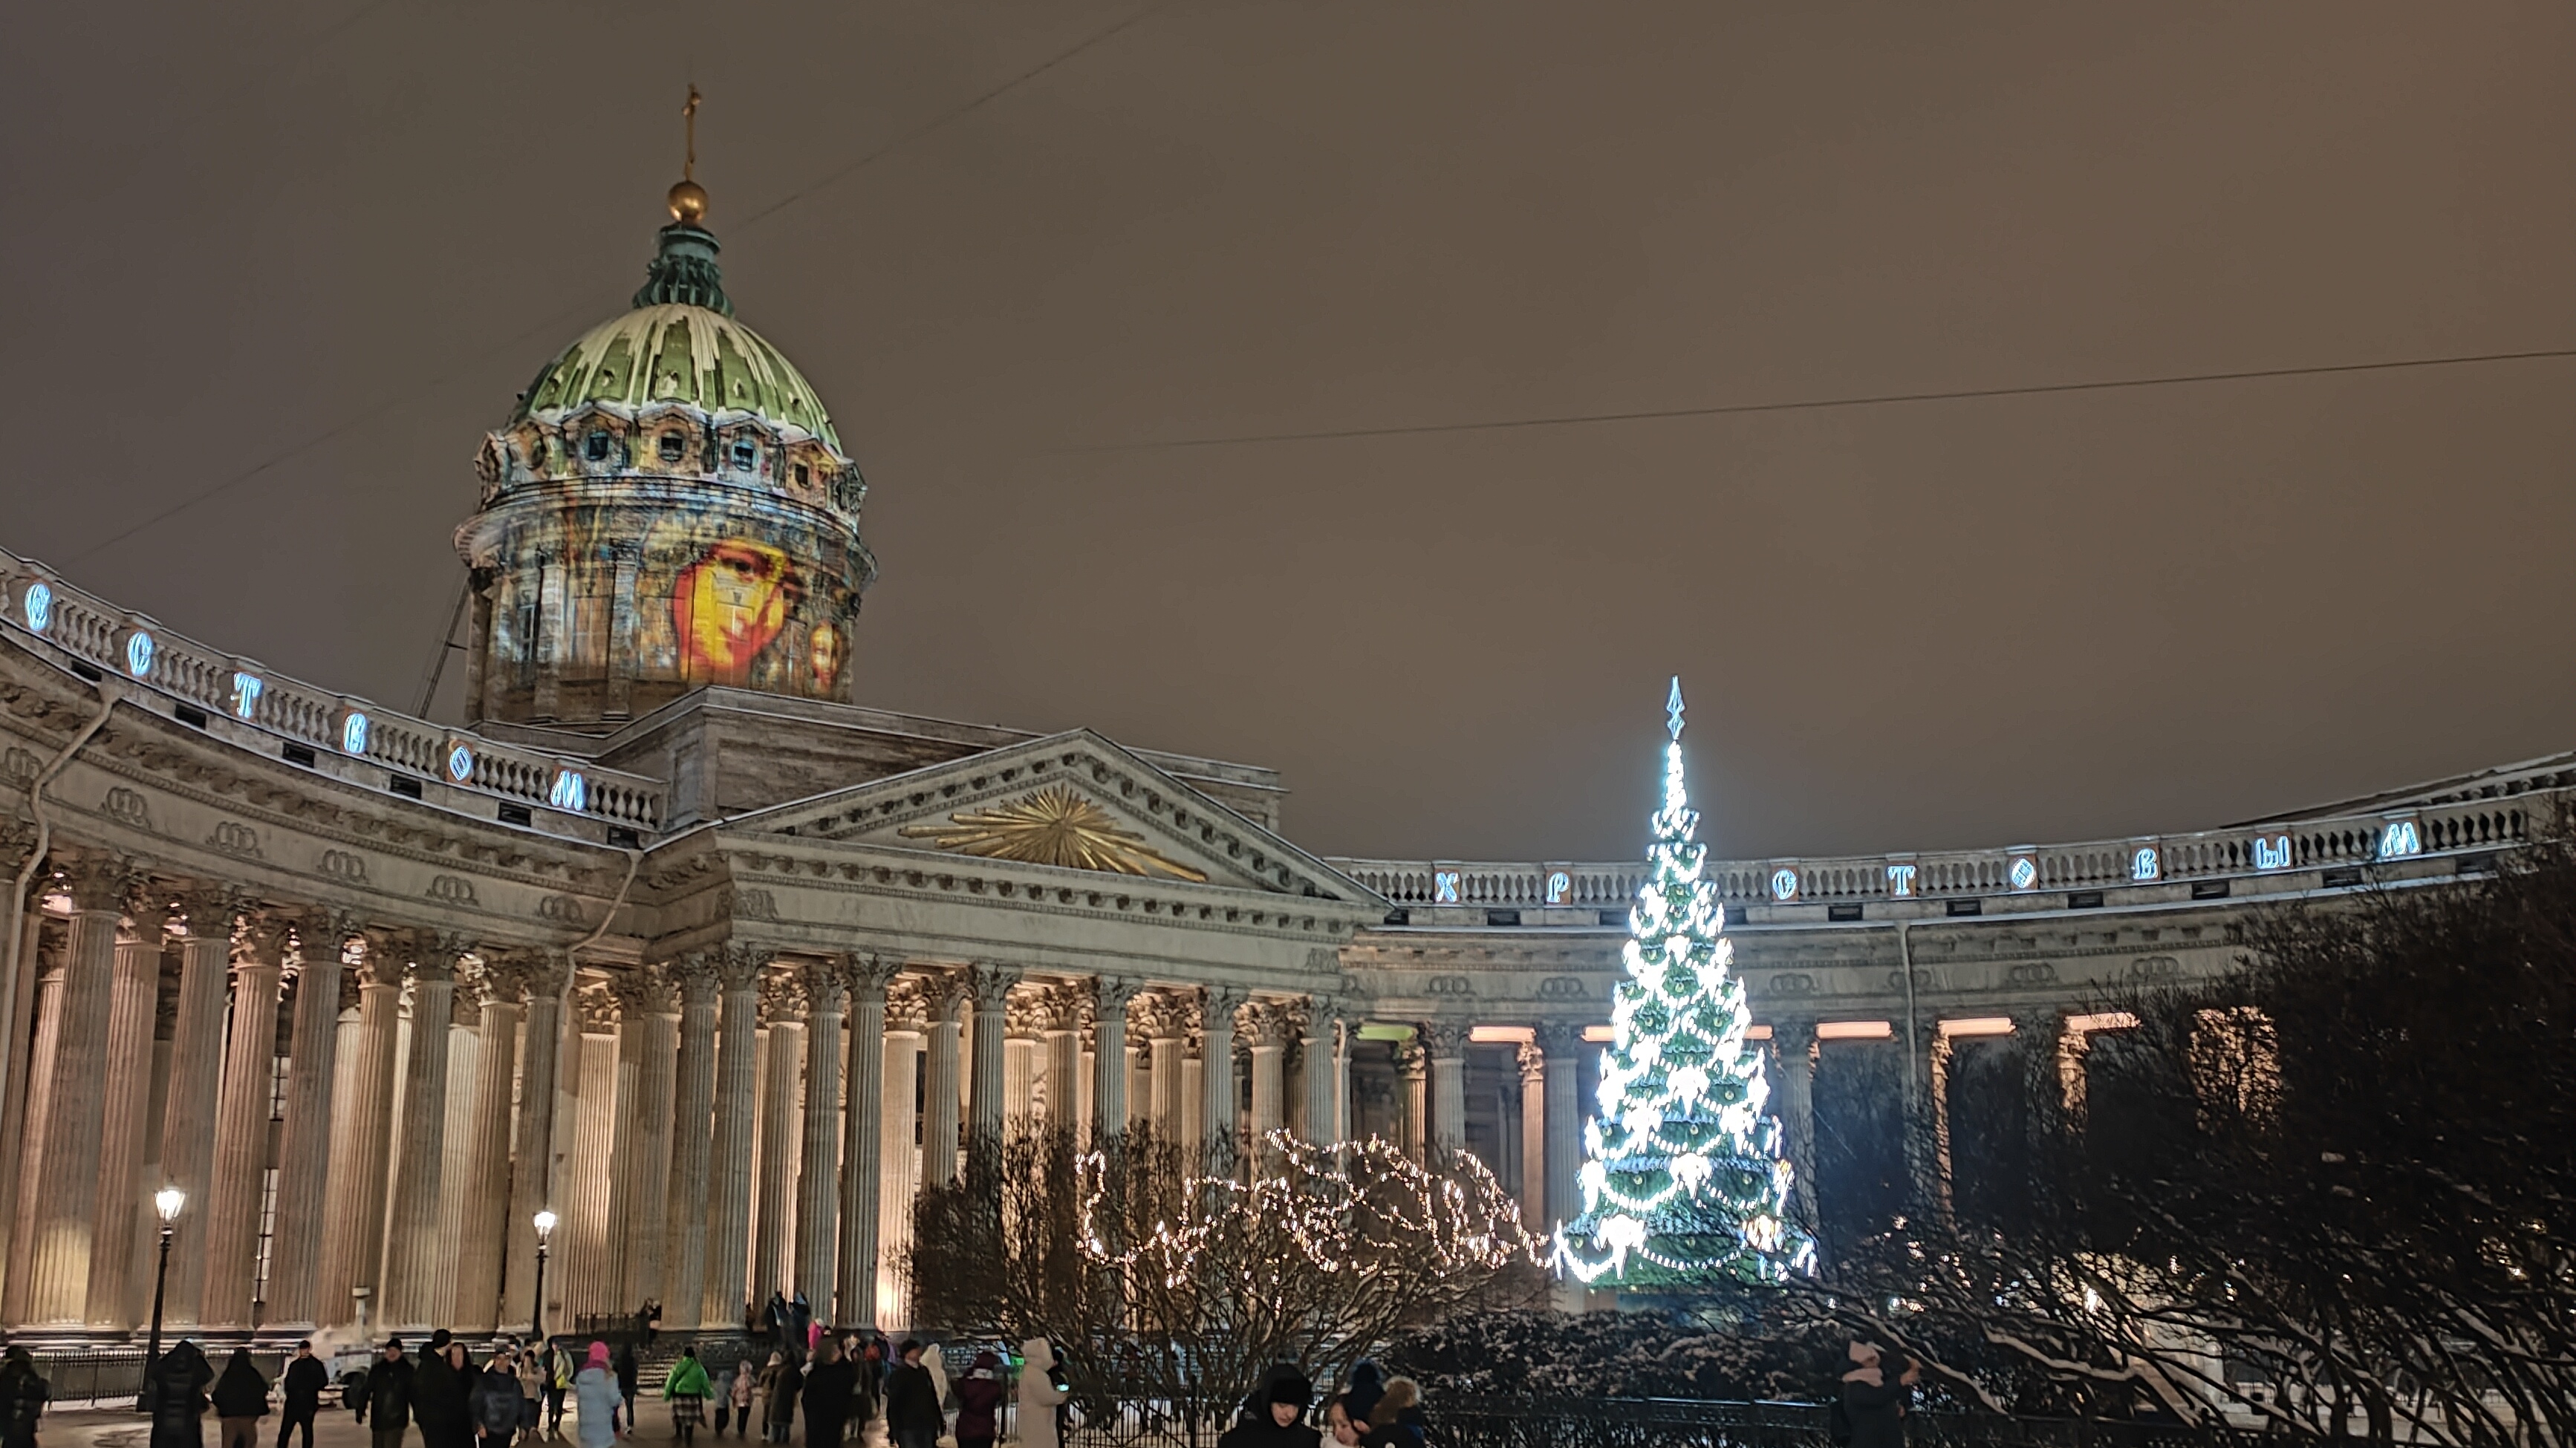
<point x="273" y="269"/>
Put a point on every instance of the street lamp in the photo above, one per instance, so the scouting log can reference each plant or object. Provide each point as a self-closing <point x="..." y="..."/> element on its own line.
<point x="167" y="1202"/>
<point x="537" y="1324"/>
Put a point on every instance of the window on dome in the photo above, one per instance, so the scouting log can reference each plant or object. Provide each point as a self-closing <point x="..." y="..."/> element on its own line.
<point x="672" y="446"/>
<point x="746" y="456"/>
<point x="800" y="475"/>
<point x="596" y="446"/>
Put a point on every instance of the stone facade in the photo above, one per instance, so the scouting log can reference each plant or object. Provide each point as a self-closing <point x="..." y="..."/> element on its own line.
<point x="721" y="974"/>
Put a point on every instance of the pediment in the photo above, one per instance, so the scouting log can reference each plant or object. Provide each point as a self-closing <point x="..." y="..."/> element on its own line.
<point x="1071" y="801"/>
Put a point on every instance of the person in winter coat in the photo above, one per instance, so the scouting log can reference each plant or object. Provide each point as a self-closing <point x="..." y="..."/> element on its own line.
<point x="1041" y="1391"/>
<point x="979" y="1401"/>
<point x="629" y="1374"/>
<point x="1396" y="1421"/>
<point x="241" y="1400"/>
<point x="686" y="1389"/>
<point x="913" y="1416"/>
<point x="1872" y="1402"/>
<point x="492" y="1404"/>
<point x="178" y="1387"/>
<point x="23" y="1394"/>
<point x="778" y="1384"/>
<point x="734" y="1402"/>
<point x="561" y="1369"/>
<point x="1338" y="1424"/>
<point x="596" y="1400"/>
<point x="1277" y="1416"/>
<point x="532" y="1388"/>
<point x="301" y="1388"/>
<point x="1359" y="1398"/>
<point x="438" y="1397"/>
<point x="385" y="1394"/>
<point x="831" y="1391"/>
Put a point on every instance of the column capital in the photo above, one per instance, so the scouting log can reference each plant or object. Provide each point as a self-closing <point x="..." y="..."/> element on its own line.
<point x="549" y="970"/>
<point x="1446" y="1040"/>
<point x="322" y="933"/>
<point x="782" y="999"/>
<point x="500" y="978"/>
<point x="989" y="984"/>
<point x="98" y="882"/>
<point x="1221" y="1002"/>
<point x="1559" y="1038"/>
<point x="643" y="990"/>
<point x="1164" y="1015"/>
<point x="208" y="909"/>
<point x="1793" y="1031"/>
<point x="1111" y="993"/>
<point x="1026" y="1015"/>
<point x="596" y="1008"/>
<point x="269" y="936"/>
<point x="698" y="978"/>
<point x="1266" y="1022"/>
<point x="1064" y="1007"/>
<point x="435" y="953"/>
<point x="827" y="986"/>
<point x="739" y="964"/>
<point x="907" y="1006"/>
<point x="871" y="973"/>
<point x="1533" y="1063"/>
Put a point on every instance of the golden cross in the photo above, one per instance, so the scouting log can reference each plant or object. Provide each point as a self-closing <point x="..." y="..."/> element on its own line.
<point x="689" y="115"/>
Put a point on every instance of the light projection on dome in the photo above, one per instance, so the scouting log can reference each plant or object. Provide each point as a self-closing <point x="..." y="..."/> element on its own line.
<point x="353" y="733"/>
<point x="138" y="653"/>
<point x="460" y="761"/>
<point x="39" y="606"/>
<point x="570" y="791"/>
<point x="246" y="691"/>
<point x="729" y="607"/>
<point x="2400" y="838"/>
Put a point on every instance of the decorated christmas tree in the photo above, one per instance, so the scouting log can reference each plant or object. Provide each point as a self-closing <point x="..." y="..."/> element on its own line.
<point x="1683" y="1178"/>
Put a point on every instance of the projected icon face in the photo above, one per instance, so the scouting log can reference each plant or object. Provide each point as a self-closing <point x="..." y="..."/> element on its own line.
<point x="826" y="653"/>
<point x="729" y="606"/>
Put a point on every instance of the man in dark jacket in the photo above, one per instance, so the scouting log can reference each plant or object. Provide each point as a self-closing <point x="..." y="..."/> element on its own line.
<point x="913" y="1418"/>
<point x="493" y="1402"/>
<point x="23" y="1394"/>
<point x="1367" y="1384"/>
<point x="438" y="1397"/>
<point x="301" y="1389"/>
<point x="831" y="1388"/>
<point x="179" y="1398"/>
<point x="385" y="1394"/>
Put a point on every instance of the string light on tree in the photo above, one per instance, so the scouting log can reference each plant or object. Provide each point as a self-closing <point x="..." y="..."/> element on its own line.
<point x="1684" y="1181"/>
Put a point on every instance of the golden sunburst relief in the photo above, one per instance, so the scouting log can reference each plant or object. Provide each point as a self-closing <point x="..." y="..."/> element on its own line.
<point x="1053" y="826"/>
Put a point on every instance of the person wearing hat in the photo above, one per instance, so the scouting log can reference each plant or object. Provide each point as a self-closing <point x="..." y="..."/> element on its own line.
<point x="23" y="1394"/>
<point x="385" y="1393"/>
<point x="597" y="1402"/>
<point x="1275" y="1415"/>
<point x="300" y="1386"/>
<point x="913" y="1416"/>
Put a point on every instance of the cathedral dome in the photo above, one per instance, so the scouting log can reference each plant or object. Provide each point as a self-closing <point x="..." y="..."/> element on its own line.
<point x="680" y="344"/>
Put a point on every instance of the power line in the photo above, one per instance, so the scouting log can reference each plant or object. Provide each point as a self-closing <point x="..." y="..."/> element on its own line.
<point x="1814" y="404"/>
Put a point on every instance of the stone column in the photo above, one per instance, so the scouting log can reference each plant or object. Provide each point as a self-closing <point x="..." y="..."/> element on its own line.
<point x="907" y="1011"/>
<point x="412" y="1246"/>
<point x="1269" y="1034"/>
<point x="1060" y="1057"/>
<point x="353" y="1242"/>
<point x="648" y="1185"/>
<point x="1167" y="1047"/>
<point x="1533" y="1064"/>
<point x="544" y="975"/>
<point x="692" y="1146"/>
<point x="304" y="1151"/>
<point x="485" y="1189"/>
<point x="990" y="988"/>
<point x="1793" y="1049"/>
<point x="1446" y="1044"/>
<point x="1020" y="1066"/>
<point x="196" y="1074"/>
<point x="1316" y="1047"/>
<point x="940" y="1090"/>
<point x="241" y="1130"/>
<point x="854" y="1288"/>
<point x="818" y="1183"/>
<point x="773" y="1248"/>
<point x="1109" y="997"/>
<point x="1560" y="1046"/>
<point x="45" y="1009"/>
<point x="738" y="969"/>
<point x="64" y="1203"/>
<point x="123" y="1200"/>
<point x="1412" y="1065"/>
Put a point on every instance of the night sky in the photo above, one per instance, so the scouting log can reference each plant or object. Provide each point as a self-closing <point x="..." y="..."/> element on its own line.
<point x="272" y="271"/>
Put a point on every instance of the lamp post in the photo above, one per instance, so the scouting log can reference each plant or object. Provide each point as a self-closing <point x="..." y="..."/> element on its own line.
<point x="545" y="1221"/>
<point x="167" y="1202"/>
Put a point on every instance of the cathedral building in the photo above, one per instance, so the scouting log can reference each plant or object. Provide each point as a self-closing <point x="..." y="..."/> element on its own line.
<point x="676" y="940"/>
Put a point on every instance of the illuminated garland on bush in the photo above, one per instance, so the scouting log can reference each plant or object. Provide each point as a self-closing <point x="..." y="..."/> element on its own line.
<point x="1683" y="1179"/>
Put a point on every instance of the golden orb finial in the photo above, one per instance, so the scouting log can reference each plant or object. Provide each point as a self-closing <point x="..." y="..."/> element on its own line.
<point x="688" y="200"/>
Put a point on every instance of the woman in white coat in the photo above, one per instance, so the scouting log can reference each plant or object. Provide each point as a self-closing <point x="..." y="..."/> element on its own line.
<point x="1038" y="1395"/>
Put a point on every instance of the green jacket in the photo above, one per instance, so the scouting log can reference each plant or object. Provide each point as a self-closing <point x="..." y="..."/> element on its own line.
<point x="688" y="1379"/>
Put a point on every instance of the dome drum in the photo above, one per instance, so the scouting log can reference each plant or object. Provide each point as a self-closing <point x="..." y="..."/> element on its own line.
<point x="602" y="441"/>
